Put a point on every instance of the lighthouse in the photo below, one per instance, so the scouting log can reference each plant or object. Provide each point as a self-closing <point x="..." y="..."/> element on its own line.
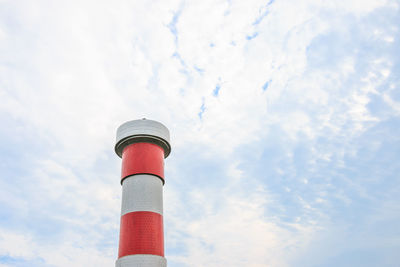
<point x="143" y="145"/>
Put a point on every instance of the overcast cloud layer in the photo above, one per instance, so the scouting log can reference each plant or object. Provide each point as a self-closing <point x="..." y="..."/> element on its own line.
<point x="284" y="118"/>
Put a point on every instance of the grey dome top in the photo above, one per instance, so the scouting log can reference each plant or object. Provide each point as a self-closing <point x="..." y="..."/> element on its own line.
<point x="142" y="131"/>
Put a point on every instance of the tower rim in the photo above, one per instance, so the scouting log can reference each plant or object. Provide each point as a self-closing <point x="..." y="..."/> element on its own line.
<point x="143" y="130"/>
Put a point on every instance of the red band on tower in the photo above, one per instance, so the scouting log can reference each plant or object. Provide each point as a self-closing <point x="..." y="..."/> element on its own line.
<point x="141" y="233"/>
<point x="143" y="158"/>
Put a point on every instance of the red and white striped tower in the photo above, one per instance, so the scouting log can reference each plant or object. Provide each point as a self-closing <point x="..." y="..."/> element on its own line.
<point x="142" y="145"/>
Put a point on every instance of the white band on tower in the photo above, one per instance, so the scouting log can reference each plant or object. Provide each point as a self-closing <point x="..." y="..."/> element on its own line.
<point x="142" y="192"/>
<point x="142" y="261"/>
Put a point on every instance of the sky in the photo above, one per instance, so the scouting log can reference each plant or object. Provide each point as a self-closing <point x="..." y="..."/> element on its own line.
<point x="284" y="118"/>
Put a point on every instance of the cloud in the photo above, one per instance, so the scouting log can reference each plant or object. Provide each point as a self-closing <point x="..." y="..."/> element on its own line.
<point x="230" y="221"/>
<point x="283" y="116"/>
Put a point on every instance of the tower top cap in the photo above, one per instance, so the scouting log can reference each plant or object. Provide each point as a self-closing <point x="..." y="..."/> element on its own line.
<point x="143" y="130"/>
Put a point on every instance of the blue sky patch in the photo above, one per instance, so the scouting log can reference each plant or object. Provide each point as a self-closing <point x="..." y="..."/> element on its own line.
<point x="216" y="90"/>
<point x="202" y="109"/>
<point x="266" y="84"/>
<point x="252" y="36"/>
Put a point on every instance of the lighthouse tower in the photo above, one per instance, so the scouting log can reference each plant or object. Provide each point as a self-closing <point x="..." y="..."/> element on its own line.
<point x="142" y="145"/>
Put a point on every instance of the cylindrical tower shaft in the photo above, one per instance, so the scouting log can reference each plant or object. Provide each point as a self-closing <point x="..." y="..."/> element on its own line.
<point x="143" y="145"/>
